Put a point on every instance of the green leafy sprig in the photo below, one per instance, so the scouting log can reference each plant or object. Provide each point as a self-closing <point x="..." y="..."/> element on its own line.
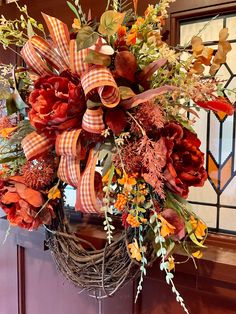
<point x="107" y="209"/>
<point x="144" y="262"/>
<point x="164" y="266"/>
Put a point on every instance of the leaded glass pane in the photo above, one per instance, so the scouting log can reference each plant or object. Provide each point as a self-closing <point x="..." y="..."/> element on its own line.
<point x="216" y="201"/>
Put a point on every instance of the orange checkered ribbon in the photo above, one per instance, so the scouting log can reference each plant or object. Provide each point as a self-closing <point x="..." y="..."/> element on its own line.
<point x="31" y="57"/>
<point x="35" y="145"/>
<point x="77" y="64"/>
<point x="87" y="200"/>
<point x="44" y="49"/>
<point x="60" y="36"/>
<point x="62" y="53"/>
<point x="68" y="147"/>
<point x="99" y="79"/>
<point x="93" y="121"/>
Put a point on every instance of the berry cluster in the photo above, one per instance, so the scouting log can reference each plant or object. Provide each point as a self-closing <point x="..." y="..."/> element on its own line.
<point x="120" y="202"/>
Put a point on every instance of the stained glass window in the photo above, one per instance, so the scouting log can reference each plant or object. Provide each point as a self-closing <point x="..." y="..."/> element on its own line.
<point x="216" y="201"/>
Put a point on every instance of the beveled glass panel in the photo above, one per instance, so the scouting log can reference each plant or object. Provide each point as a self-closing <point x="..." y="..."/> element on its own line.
<point x="228" y="219"/>
<point x="231" y="24"/>
<point x="207" y="213"/>
<point x="207" y="33"/>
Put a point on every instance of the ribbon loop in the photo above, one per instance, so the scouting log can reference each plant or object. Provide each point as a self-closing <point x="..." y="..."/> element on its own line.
<point x="45" y="50"/>
<point x="100" y="80"/>
<point x="35" y="145"/>
<point x="93" y="121"/>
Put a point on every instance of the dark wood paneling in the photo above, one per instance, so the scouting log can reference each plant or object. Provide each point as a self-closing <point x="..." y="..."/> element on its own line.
<point x="41" y="289"/>
<point x="21" y="279"/>
<point x="187" y="5"/>
<point x="8" y="273"/>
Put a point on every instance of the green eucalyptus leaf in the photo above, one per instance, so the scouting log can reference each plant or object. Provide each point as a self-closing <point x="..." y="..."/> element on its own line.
<point x="11" y="105"/>
<point x="86" y="37"/>
<point x="30" y="31"/>
<point x="73" y="9"/>
<point x="110" y="22"/>
<point x="95" y="57"/>
<point x="141" y="210"/>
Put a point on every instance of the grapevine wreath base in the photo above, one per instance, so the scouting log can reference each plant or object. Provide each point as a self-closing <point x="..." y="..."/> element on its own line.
<point x="100" y="271"/>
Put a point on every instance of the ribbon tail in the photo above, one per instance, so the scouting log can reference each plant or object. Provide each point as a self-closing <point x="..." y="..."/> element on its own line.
<point x="86" y="199"/>
<point x="60" y="36"/>
<point x="33" y="60"/>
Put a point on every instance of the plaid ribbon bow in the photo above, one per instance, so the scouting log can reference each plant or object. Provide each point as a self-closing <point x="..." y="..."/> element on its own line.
<point x="62" y="54"/>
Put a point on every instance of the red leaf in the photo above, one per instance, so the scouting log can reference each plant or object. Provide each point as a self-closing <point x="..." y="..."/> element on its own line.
<point x="217" y="105"/>
<point x="126" y="65"/>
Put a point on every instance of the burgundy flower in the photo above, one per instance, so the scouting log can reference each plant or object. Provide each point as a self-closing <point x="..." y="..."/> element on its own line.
<point x="184" y="159"/>
<point x="115" y="118"/>
<point x="175" y="220"/>
<point x="57" y="104"/>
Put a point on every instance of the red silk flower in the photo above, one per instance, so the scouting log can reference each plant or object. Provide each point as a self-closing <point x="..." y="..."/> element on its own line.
<point x="57" y="104"/>
<point x="21" y="204"/>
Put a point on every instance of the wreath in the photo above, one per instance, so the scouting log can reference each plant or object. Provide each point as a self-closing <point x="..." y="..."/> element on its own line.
<point x="107" y="108"/>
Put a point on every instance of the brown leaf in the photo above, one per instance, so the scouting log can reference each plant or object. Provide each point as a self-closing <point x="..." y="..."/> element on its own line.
<point x="223" y="34"/>
<point x="197" y="67"/>
<point x="147" y="96"/>
<point x="226" y="46"/>
<point x="126" y="92"/>
<point x="214" y="67"/>
<point x="196" y="41"/>
<point x="146" y="74"/>
<point x="126" y="65"/>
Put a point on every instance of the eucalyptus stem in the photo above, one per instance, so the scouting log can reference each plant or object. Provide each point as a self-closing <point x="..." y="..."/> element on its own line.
<point x="108" y="4"/>
<point x="119" y="153"/>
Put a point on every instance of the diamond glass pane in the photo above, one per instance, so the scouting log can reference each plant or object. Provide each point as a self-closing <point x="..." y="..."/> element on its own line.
<point x="216" y="201"/>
